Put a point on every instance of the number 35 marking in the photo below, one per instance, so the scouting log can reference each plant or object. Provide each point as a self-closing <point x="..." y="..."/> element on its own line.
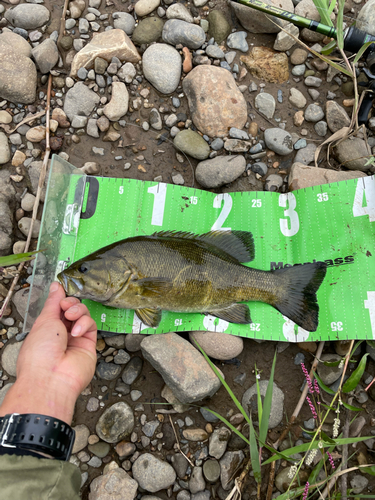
<point x="322" y="197"/>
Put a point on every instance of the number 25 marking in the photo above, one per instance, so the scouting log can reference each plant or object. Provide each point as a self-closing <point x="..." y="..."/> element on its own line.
<point x="292" y="229"/>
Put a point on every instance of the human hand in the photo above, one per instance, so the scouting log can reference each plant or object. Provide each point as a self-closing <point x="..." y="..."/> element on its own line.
<point x="57" y="359"/>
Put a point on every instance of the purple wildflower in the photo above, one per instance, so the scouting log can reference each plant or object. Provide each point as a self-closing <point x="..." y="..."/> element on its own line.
<point x="316" y="386"/>
<point x="306" y="491"/>
<point x="331" y="460"/>
<point x="308" y="379"/>
<point x="312" y="408"/>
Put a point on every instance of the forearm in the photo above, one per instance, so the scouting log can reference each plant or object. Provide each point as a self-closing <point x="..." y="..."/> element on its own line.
<point x="43" y="397"/>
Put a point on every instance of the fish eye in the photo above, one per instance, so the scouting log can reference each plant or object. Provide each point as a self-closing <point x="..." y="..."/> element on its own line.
<point x="83" y="269"/>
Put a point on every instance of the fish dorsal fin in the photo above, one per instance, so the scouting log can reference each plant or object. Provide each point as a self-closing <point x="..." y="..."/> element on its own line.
<point x="236" y="313"/>
<point x="237" y="244"/>
<point x="148" y="316"/>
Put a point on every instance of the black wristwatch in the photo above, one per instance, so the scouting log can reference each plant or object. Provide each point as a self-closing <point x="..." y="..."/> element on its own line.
<point x="31" y="432"/>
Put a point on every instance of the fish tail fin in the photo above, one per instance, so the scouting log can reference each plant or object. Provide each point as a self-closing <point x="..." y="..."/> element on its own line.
<point x="298" y="298"/>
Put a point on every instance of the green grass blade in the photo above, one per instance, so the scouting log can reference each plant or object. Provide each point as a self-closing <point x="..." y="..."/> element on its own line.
<point x="356" y="376"/>
<point x="259" y="397"/>
<point x="359" y="342"/>
<point x="226" y="422"/>
<point x="263" y="422"/>
<point x="323" y="9"/>
<point x="329" y="48"/>
<point x="17" y="258"/>
<point x="340" y="24"/>
<point x="323" y="386"/>
<point x="229" y="390"/>
<point x="254" y="454"/>
<point x="332" y="6"/>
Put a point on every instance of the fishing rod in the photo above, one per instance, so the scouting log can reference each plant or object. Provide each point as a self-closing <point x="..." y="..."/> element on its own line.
<point x="354" y="38"/>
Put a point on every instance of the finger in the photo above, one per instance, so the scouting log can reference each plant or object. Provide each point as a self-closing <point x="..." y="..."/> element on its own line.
<point x="76" y="311"/>
<point x="52" y="309"/>
<point x="82" y="326"/>
<point x="69" y="302"/>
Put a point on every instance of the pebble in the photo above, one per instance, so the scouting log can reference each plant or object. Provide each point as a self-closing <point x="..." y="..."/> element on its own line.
<point x="314" y="113"/>
<point x="116" y="423"/>
<point x="279" y="141"/>
<point x="153" y="474"/>
<point x="306" y="155"/>
<point x="9" y="358"/>
<point x="211" y="470"/>
<point x="336" y="116"/>
<point x="192" y="143"/>
<point x="273" y="182"/>
<point x="266" y="104"/>
<point x="117" y="482"/>
<point x="218" y="442"/>
<point x="99" y="449"/>
<point x="195" y="434"/>
<point x="162" y="67"/>
<point x="329" y="374"/>
<point x="189" y="35"/>
<point x="297" y="99"/>
<point x="4" y="149"/>
<point x="321" y="128"/>
<point x="248" y="401"/>
<point x="107" y="371"/>
<point x="313" y="81"/>
<point x="216" y="344"/>
<point x="229" y="464"/>
<point x="132" y="370"/>
<point x="81" y="438"/>
<point x="237" y="41"/>
<point x="197" y="482"/>
<point x="28" y="16"/>
<point x="358" y="483"/>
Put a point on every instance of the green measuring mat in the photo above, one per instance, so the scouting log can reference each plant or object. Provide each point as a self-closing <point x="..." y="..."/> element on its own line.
<point x="334" y="223"/>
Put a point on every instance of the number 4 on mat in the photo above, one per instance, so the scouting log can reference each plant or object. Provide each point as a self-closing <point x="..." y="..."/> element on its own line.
<point x="365" y="186"/>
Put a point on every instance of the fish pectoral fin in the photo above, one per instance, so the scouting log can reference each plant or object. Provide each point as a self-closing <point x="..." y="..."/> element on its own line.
<point x="154" y="287"/>
<point x="236" y="313"/>
<point x="150" y="317"/>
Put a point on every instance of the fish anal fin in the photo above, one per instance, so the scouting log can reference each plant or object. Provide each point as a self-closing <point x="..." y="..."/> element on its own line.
<point x="148" y="316"/>
<point x="154" y="287"/>
<point x="238" y="244"/>
<point x="236" y="313"/>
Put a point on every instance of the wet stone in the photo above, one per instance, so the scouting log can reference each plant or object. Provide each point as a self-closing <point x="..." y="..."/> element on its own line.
<point x="180" y="465"/>
<point x="218" y="442"/>
<point x="116" y="423"/>
<point x="211" y="470"/>
<point x="197" y="482"/>
<point x="107" y="371"/>
<point x="121" y="358"/>
<point x="229" y="464"/>
<point x="100" y="449"/>
<point x="132" y="370"/>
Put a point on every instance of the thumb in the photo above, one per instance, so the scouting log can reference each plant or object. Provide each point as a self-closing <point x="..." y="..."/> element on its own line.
<point x="52" y="309"/>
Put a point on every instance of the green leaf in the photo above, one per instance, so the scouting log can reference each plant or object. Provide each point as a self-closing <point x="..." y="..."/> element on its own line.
<point x="327" y="439"/>
<point x="352" y="408"/>
<point x="368" y="470"/>
<point x="323" y="9"/>
<point x="356" y="345"/>
<point x="361" y="51"/>
<point x="263" y="425"/>
<point x="331" y="363"/>
<point x="259" y="397"/>
<point x="329" y="48"/>
<point x="323" y="386"/>
<point x="225" y="421"/>
<point x="340" y="25"/>
<point x="328" y="407"/>
<point x="305" y="446"/>
<point x="254" y="454"/>
<point x="229" y="390"/>
<point x="371" y="343"/>
<point x="17" y="258"/>
<point x="356" y="376"/>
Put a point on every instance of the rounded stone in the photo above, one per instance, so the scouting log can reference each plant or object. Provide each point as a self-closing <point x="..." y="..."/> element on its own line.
<point x="132" y="370"/>
<point x="100" y="449"/>
<point x="4" y="391"/>
<point x="329" y="374"/>
<point x="108" y="371"/>
<point x="250" y="404"/>
<point x="279" y="141"/>
<point x="192" y="143"/>
<point x="162" y="67"/>
<point x="28" y="16"/>
<point x="133" y="341"/>
<point x="218" y="345"/>
<point x="9" y="358"/>
<point x="153" y="474"/>
<point x="116" y="423"/>
<point x="148" y="30"/>
<point x="314" y="113"/>
<point x="220" y="170"/>
<point x="145" y="7"/>
<point x="211" y="470"/>
<point x="81" y="438"/>
<point x="27" y="202"/>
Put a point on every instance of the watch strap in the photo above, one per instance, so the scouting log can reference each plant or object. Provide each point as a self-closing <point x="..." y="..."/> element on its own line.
<point x="38" y="433"/>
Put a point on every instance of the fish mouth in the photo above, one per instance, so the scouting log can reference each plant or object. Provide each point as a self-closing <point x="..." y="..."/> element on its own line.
<point x="71" y="286"/>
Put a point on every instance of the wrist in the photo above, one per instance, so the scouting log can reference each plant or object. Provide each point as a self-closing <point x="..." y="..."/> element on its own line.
<point x="45" y="397"/>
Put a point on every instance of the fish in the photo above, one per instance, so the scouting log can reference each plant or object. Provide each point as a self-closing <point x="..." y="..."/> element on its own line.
<point x="191" y="273"/>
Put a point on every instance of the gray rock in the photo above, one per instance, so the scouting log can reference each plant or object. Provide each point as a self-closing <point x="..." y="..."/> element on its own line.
<point x="115" y="484"/>
<point x="366" y="20"/>
<point x="237" y="133"/>
<point x="202" y="495"/>
<point x="197" y="482"/>
<point x="313" y="81"/>
<point x="18" y="76"/>
<point x="218" y="442"/>
<point x="9" y="358"/>
<point x="132" y="370"/>
<point x="24" y="225"/>
<point x="124" y="21"/>
<point x="180" y="32"/>
<point x="81" y="438"/>
<point x="180" y="465"/>
<point x="92" y="128"/>
<point x="133" y="341"/>
<point x="179" y="11"/>
<point x="155" y="119"/>
<point x="191" y="378"/>
<point x="79" y="100"/>
<point x="256" y="22"/>
<point x="153" y="474"/>
<point x="229" y="464"/>
<point x="211" y="470"/>
<point x="321" y="128"/>
<point x="214" y="51"/>
<point x="278" y="140"/>
<point x="16" y="42"/>
<point x="107" y="371"/>
<point x="299" y="70"/>
<point x="274" y="182"/>
<point x="237" y="41"/>
<point x="217" y="144"/>
<point x="150" y="427"/>
<point x="329" y="374"/>
<point x="122" y="357"/>
<point x="313" y="113"/>
<point x="218" y="345"/>
<point x="4" y="149"/>
<point x="83" y="26"/>
<point x="79" y="121"/>
<point x="306" y="155"/>
<point x="127" y="72"/>
<point x="260" y="168"/>
<point x="94" y="462"/>
<point x="207" y="415"/>
<point x="192" y="143"/>
<point x="99" y="449"/>
<point x="162" y="66"/>
<point x="285" y="42"/>
<point x="266" y="104"/>
<point x="314" y="94"/>
<point x="358" y="483"/>
<point x="4" y="391"/>
<point x="297" y="99"/>
<point x="249" y="402"/>
<point x="353" y="154"/>
<point x="27" y="16"/>
<point x="116" y="423"/>
<point x="20" y="299"/>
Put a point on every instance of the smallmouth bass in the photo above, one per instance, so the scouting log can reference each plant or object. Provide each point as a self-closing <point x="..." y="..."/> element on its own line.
<point x="185" y="272"/>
